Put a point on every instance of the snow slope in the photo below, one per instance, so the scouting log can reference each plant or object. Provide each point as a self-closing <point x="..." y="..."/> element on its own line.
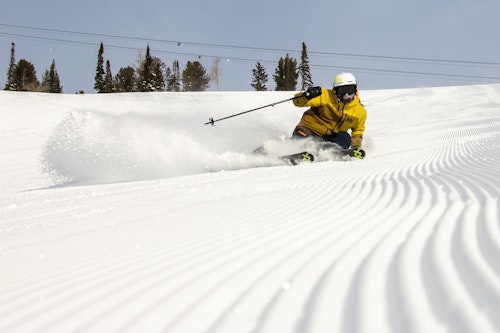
<point x="124" y="213"/>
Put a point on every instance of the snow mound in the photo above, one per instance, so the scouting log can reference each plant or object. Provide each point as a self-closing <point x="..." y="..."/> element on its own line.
<point x="102" y="146"/>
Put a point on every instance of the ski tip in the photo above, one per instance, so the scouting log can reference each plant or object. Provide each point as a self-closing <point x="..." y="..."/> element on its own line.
<point x="358" y="153"/>
<point x="307" y="157"/>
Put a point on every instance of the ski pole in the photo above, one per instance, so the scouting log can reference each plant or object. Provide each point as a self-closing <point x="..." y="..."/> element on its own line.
<point x="211" y="120"/>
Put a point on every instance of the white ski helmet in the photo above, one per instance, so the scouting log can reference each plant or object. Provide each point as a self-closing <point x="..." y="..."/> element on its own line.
<point x="344" y="79"/>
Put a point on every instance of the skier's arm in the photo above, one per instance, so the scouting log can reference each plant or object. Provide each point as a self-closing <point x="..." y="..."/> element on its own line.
<point x="309" y="97"/>
<point x="357" y="133"/>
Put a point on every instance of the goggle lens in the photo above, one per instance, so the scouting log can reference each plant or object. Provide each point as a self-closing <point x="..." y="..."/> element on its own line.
<point x="346" y="93"/>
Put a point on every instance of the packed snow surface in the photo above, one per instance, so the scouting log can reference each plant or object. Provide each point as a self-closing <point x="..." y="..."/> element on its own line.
<point x="125" y="213"/>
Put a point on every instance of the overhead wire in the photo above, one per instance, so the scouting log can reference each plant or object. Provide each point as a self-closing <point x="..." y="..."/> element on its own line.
<point x="253" y="48"/>
<point x="178" y="43"/>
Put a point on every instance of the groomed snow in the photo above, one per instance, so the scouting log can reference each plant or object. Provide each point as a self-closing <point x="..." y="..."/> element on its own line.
<point x="125" y="213"/>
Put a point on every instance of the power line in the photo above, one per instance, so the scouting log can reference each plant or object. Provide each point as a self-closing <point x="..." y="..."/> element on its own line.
<point x="416" y="73"/>
<point x="243" y="59"/>
<point x="253" y="48"/>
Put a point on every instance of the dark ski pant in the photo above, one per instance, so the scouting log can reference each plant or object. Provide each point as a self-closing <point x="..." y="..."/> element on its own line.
<point x="343" y="139"/>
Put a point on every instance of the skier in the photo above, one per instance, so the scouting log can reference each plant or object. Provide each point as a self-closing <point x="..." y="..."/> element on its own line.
<point x="332" y="113"/>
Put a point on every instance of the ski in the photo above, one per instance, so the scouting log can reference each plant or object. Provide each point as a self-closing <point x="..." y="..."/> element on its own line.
<point x="299" y="157"/>
<point x="306" y="156"/>
<point x="354" y="152"/>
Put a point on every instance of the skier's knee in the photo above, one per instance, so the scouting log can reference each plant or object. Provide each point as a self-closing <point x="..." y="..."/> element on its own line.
<point x="343" y="139"/>
<point x="301" y="132"/>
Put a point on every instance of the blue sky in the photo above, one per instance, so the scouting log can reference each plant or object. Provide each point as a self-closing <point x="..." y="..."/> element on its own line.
<point x="384" y="43"/>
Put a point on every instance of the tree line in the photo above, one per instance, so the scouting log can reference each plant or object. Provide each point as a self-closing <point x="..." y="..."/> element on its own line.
<point x="152" y="74"/>
<point x="21" y="76"/>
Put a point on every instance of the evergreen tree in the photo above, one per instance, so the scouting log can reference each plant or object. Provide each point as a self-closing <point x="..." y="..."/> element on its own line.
<point x="109" y="87"/>
<point x="286" y="74"/>
<point x="259" y="78"/>
<point x="11" y="72"/>
<point x="50" y="80"/>
<point x="45" y="85"/>
<point x="158" y="74"/>
<point x="25" y="76"/>
<point x="304" y="70"/>
<point x="55" y="82"/>
<point x="125" y="80"/>
<point x="99" y="74"/>
<point x="168" y="79"/>
<point x="173" y="77"/>
<point x="195" y="77"/>
<point x="145" y="76"/>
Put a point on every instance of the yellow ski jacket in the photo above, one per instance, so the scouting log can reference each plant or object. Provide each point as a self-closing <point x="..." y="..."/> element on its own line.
<point x="328" y="115"/>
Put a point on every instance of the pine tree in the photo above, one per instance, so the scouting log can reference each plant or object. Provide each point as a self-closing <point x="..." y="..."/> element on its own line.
<point x="55" y="86"/>
<point x="25" y="76"/>
<point x="50" y="80"/>
<point x="304" y="70"/>
<point x="195" y="77"/>
<point x="168" y="79"/>
<point x="11" y="72"/>
<point x="145" y="76"/>
<point x="286" y="74"/>
<point x="109" y="86"/>
<point x="125" y="80"/>
<point x="259" y="78"/>
<point x="173" y="77"/>
<point x="99" y="74"/>
<point x="158" y="74"/>
<point x="45" y="85"/>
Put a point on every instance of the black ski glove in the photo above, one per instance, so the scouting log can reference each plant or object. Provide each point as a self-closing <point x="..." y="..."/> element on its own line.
<point x="312" y="92"/>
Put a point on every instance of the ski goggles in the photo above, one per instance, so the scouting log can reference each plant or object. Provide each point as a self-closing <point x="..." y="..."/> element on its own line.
<point x="346" y="93"/>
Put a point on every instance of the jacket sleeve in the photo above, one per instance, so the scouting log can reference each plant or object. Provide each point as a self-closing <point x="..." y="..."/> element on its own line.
<point x="358" y="130"/>
<point x="316" y="101"/>
<point x="299" y="100"/>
